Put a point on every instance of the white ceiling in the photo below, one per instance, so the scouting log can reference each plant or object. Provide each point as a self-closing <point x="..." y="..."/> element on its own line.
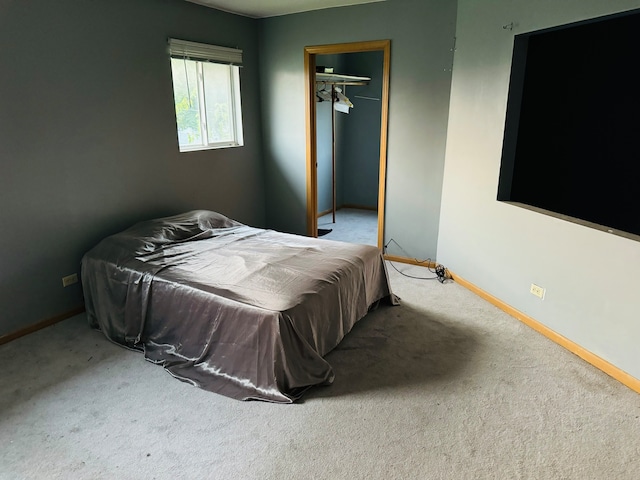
<point x="272" y="8"/>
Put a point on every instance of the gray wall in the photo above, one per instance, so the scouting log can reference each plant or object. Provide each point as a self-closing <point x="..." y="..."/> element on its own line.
<point x="591" y="277"/>
<point x="360" y="144"/>
<point x="324" y="139"/>
<point x="421" y="32"/>
<point x="88" y="137"/>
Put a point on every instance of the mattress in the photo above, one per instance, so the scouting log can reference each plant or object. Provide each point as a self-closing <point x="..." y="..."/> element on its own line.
<point x="245" y="312"/>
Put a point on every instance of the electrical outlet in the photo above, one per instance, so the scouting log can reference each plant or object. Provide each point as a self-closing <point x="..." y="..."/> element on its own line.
<point x="69" y="279"/>
<point x="537" y="291"/>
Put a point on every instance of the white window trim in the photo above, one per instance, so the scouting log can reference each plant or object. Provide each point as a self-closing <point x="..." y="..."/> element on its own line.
<point x="200" y="52"/>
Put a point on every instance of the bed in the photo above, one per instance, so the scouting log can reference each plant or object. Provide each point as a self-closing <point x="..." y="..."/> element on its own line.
<point x="241" y="311"/>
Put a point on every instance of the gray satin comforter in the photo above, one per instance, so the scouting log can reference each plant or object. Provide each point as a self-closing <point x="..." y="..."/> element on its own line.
<point x="244" y="312"/>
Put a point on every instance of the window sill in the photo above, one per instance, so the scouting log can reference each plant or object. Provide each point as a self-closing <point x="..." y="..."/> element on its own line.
<point x="209" y="147"/>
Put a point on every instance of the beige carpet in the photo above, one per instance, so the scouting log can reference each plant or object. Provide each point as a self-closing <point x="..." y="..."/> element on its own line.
<point x="443" y="387"/>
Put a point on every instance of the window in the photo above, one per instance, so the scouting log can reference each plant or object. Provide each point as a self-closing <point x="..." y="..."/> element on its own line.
<point x="206" y="93"/>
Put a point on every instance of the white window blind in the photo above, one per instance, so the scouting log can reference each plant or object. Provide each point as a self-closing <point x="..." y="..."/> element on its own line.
<point x="204" y="53"/>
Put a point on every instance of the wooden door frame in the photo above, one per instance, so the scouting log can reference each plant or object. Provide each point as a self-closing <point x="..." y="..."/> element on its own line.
<point x="312" y="153"/>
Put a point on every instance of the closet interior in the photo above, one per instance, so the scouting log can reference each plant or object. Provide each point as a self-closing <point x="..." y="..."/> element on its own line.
<point x="348" y="119"/>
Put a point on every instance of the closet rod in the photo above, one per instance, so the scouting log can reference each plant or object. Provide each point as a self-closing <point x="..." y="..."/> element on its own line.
<point x="343" y="83"/>
<point x="366" y="98"/>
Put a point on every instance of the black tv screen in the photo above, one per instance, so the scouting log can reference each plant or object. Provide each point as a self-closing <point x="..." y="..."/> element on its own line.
<point x="572" y="132"/>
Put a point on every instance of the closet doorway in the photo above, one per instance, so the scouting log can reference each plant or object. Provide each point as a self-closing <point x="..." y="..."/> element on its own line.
<point x="314" y="56"/>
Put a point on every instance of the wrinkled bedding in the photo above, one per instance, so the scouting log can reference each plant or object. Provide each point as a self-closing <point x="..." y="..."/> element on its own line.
<point x="241" y="311"/>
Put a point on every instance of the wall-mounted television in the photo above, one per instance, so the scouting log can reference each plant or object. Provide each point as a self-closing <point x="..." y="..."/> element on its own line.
<point x="572" y="132"/>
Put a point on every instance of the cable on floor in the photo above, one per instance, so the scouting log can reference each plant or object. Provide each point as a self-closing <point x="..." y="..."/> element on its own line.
<point x="441" y="273"/>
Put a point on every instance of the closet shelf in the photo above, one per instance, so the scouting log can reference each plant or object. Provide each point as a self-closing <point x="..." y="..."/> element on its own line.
<point x="336" y="78"/>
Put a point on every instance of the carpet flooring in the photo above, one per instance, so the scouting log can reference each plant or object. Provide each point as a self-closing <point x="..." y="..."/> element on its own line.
<point x="444" y="386"/>
<point x="352" y="225"/>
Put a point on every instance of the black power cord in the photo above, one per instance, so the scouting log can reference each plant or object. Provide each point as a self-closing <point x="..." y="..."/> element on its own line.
<point x="441" y="273"/>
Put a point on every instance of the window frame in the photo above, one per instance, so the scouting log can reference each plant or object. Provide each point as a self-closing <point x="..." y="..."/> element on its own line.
<point x="200" y="54"/>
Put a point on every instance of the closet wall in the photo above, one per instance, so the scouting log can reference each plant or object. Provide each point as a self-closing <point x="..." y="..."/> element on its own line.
<point x="357" y="135"/>
<point x="359" y="148"/>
